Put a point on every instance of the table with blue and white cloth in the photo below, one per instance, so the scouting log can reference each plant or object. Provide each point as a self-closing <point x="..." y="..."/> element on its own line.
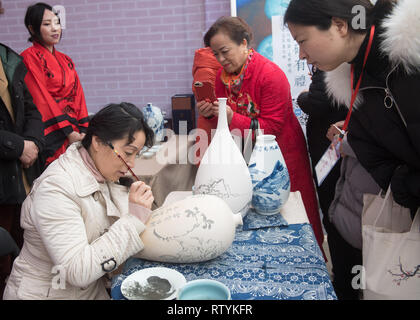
<point x="269" y="259"/>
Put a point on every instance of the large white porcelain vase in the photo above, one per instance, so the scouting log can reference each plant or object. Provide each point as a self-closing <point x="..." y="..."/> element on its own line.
<point x="223" y="171"/>
<point x="270" y="177"/>
<point x="197" y="228"/>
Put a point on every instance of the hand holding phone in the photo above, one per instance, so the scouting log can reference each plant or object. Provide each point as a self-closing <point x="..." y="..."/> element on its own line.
<point x="204" y="91"/>
<point x="205" y="108"/>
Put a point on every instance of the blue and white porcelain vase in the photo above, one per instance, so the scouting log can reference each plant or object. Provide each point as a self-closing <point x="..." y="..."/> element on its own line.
<point x="270" y="178"/>
<point x="154" y="118"/>
<point x="223" y="171"/>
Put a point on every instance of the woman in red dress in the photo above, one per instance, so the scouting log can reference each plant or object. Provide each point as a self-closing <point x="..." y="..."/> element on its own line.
<point x="258" y="88"/>
<point x="53" y="83"/>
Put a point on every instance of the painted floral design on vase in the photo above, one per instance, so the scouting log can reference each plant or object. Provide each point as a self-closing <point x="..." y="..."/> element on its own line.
<point x="195" y="229"/>
<point x="223" y="171"/>
<point x="270" y="177"/>
<point x="154" y="119"/>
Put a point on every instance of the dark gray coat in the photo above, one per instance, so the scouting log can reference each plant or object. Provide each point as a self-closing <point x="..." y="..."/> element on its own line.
<point x="346" y="209"/>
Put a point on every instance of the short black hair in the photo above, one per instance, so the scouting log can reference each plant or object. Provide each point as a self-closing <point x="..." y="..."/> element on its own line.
<point x="117" y="121"/>
<point x="33" y="17"/>
<point x="319" y="13"/>
<point x="236" y="28"/>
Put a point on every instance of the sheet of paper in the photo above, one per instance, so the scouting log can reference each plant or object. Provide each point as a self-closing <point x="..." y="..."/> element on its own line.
<point x="327" y="162"/>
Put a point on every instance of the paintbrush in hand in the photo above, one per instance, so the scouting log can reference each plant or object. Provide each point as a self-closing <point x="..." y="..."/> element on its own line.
<point x="118" y="155"/>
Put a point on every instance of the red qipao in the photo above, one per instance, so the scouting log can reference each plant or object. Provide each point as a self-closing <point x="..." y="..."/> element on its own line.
<point x="265" y="94"/>
<point x="56" y="90"/>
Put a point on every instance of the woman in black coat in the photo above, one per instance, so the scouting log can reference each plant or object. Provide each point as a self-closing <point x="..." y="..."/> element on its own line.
<point x="384" y="129"/>
<point x="17" y="133"/>
<point x="21" y="140"/>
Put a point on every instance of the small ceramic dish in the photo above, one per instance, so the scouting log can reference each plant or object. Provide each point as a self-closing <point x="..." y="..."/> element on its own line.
<point x="204" y="289"/>
<point x="147" y="154"/>
<point x="155" y="148"/>
<point x="157" y="283"/>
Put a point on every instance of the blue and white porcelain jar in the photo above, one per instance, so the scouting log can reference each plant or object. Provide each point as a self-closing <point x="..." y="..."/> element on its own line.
<point x="154" y="118"/>
<point x="270" y="178"/>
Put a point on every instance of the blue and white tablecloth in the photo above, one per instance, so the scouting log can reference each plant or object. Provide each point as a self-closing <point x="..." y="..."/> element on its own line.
<point x="280" y="262"/>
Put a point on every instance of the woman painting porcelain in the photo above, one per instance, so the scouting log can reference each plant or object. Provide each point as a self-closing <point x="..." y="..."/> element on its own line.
<point x="257" y="88"/>
<point x="53" y="82"/>
<point x="78" y="220"/>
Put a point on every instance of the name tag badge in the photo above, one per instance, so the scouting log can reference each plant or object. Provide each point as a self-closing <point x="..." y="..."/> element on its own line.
<point x="327" y="162"/>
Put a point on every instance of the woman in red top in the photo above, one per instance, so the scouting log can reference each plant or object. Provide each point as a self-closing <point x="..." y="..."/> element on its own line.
<point x="53" y="83"/>
<point x="258" y="88"/>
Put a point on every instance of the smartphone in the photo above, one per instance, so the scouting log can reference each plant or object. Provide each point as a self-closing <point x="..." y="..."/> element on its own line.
<point x="204" y="91"/>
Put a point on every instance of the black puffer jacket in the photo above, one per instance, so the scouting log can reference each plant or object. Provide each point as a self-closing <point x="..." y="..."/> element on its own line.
<point x="384" y="130"/>
<point x="28" y="126"/>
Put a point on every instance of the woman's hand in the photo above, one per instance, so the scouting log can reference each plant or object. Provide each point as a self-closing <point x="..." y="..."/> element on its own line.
<point x="141" y="194"/>
<point x="229" y="111"/>
<point x="333" y="134"/>
<point x="29" y="154"/>
<point x="334" y="129"/>
<point x="75" y="136"/>
<point x="205" y="108"/>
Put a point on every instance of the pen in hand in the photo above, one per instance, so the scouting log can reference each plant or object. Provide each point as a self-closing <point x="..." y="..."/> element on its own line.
<point x="339" y="130"/>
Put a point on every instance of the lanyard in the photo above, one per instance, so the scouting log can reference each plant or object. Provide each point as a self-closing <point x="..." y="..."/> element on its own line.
<point x="356" y="90"/>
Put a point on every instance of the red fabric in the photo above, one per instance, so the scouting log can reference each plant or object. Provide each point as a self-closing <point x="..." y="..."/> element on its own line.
<point x="265" y="92"/>
<point x="205" y="68"/>
<point x="57" y="92"/>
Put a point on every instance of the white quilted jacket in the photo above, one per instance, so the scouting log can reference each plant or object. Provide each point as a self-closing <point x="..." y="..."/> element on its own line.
<point x="76" y="231"/>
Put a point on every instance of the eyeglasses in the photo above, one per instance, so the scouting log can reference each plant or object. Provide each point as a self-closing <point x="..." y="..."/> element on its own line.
<point x="121" y="158"/>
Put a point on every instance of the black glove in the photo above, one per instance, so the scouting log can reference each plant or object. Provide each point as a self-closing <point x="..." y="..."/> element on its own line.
<point x="405" y="187"/>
